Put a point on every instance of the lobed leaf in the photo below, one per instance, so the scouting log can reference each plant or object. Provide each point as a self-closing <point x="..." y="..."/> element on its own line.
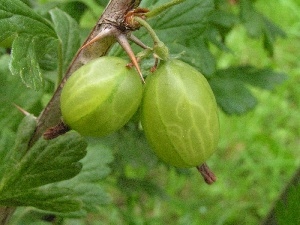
<point x="86" y="185"/>
<point x="68" y="33"/>
<point x="232" y="95"/>
<point x="35" y="41"/>
<point x="258" y="25"/>
<point x="54" y="199"/>
<point x="189" y="19"/>
<point x="18" y="18"/>
<point x="196" y="53"/>
<point x="231" y="89"/>
<point x="46" y="162"/>
<point x="24" y="61"/>
<point x="13" y="91"/>
<point x="264" y="78"/>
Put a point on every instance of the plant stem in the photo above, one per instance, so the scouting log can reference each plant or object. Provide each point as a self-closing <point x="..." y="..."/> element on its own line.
<point x="162" y="8"/>
<point x="149" y="29"/>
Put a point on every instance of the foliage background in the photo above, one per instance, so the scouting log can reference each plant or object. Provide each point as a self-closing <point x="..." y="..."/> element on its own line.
<point x="258" y="151"/>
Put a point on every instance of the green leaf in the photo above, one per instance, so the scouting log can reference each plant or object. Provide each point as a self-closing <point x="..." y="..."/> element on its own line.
<point x="264" y="78"/>
<point x="46" y="162"/>
<point x="7" y="138"/>
<point x="183" y="21"/>
<point x="24" y="61"/>
<point x="17" y="17"/>
<point x="230" y="86"/>
<point x="196" y="53"/>
<point x="258" y="25"/>
<point x="232" y="95"/>
<point x="271" y="33"/>
<point x="287" y="210"/>
<point x="13" y="91"/>
<point x="223" y="19"/>
<point x="76" y="8"/>
<point x="86" y="185"/>
<point x="68" y="33"/>
<point x="34" y="37"/>
<point x="46" y="52"/>
<point x="54" y="199"/>
<point x="22" y="138"/>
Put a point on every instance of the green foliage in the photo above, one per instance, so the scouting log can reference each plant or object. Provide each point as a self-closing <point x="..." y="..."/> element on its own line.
<point x="25" y="170"/>
<point x="68" y="35"/>
<point x="35" y="44"/>
<point x="287" y="211"/>
<point x="38" y="40"/>
<point x="30" y="31"/>
<point x="39" y="176"/>
<point x="13" y="91"/>
<point x="231" y="86"/>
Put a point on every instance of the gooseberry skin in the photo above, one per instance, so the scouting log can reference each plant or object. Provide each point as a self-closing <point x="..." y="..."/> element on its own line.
<point x="179" y="115"/>
<point x="101" y="96"/>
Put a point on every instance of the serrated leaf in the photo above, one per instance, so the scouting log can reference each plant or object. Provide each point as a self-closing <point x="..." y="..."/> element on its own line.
<point x="264" y="78"/>
<point x="24" y="61"/>
<point x="34" y="36"/>
<point x="230" y="86"/>
<point x="232" y="95"/>
<point x="17" y="17"/>
<point x="189" y="19"/>
<point x="68" y="33"/>
<point x="86" y="186"/>
<point x="21" y="140"/>
<point x="197" y="54"/>
<point x="46" y="52"/>
<point x="56" y="199"/>
<point x="214" y="36"/>
<point x="13" y="91"/>
<point x="46" y="162"/>
<point x="223" y="18"/>
<point x="258" y="25"/>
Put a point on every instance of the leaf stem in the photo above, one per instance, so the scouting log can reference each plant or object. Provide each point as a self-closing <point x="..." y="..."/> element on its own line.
<point x="162" y="8"/>
<point x="148" y="28"/>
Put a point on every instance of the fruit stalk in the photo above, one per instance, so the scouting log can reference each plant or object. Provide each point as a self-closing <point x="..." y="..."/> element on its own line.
<point x="160" y="50"/>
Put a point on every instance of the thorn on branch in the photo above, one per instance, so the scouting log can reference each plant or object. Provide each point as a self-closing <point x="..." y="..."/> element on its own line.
<point x="23" y="111"/>
<point x="122" y="40"/>
<point x="98" y="37"/>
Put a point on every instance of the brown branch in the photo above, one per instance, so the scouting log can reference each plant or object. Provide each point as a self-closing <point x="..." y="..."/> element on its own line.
<point x="107" y="27"/>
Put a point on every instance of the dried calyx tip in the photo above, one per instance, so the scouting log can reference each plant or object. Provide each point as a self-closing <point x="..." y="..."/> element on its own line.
<point x="208" y="176"/>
